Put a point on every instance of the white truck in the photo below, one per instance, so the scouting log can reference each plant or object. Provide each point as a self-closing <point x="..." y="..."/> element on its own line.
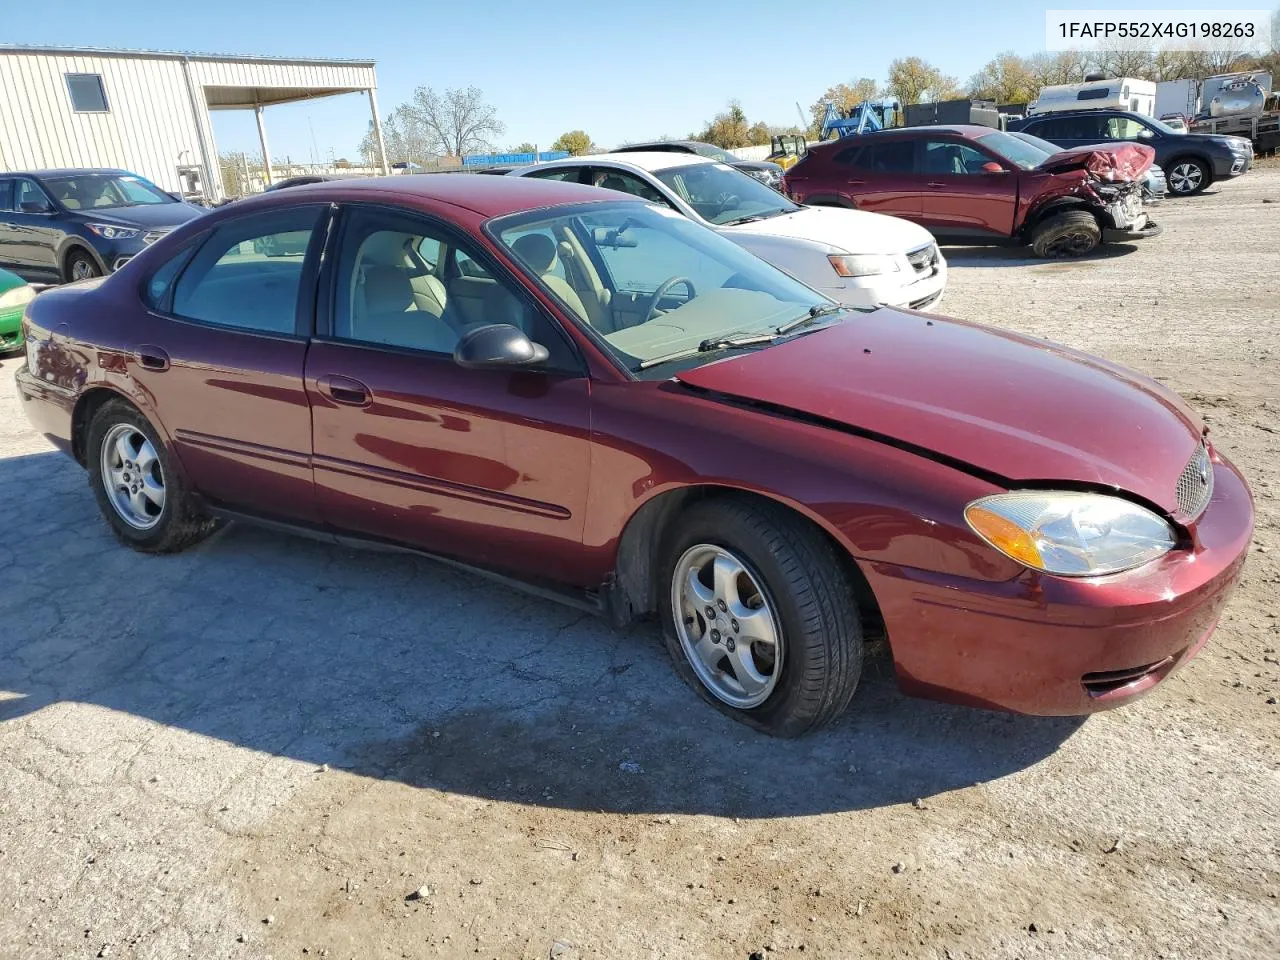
<point x="1118" y="93"/>
<point x="1177" y="98"/>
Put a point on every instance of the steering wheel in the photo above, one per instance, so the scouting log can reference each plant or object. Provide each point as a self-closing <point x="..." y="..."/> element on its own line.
<point x="662" y="291"/>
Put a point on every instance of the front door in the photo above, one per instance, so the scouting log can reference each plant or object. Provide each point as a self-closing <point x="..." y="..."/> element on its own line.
<point x="488" y="466"/>
<point x="960" y="197"/>
<point x="221" y="350"/>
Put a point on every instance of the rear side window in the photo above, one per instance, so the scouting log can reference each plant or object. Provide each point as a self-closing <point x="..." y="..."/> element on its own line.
<point x="569" y="174"/>
<point x="6" y="194"/>
<point x="849" y="156"/>
<point x="891" y="156"/>
<point x="249" y="272"/>
<point x="157" y="294"/>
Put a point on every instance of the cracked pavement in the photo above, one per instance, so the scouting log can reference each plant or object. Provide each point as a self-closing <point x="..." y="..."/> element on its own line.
<point x="268" y="727"/>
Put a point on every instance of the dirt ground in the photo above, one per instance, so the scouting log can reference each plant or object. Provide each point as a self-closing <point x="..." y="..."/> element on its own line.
<point x="264" y="746"/>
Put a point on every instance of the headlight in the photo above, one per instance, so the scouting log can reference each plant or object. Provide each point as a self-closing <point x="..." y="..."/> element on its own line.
<point x="17" y="296"/>
<point x="110" y="232"/>
<point x="1070" y="534"/>
<point x="863" y="265"/>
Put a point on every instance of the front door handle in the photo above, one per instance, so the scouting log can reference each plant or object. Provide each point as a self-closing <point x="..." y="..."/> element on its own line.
<point x="856" y="183"/>
<point x="936" y="184"/>
<point x="151" y="357"/>
<point x="344" y="390"/>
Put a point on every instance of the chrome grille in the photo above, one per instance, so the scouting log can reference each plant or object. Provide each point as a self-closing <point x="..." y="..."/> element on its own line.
<point x="1195" y="485"/>
<point x="924" y="259"/>
<point x="151" y="236"/>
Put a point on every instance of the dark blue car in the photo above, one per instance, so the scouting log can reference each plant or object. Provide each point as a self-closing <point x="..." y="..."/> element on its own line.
<point x="63" y="225"/>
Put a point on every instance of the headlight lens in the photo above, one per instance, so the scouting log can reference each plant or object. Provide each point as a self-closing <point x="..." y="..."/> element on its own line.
<point x="863" y="265"/>
<point x="111" y="232"/>
<point x="1070" y="534"/>
<point x="17" y="296"/>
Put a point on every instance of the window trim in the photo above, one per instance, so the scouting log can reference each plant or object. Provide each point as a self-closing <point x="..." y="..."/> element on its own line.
<point x="451" y="237"/>
<point x="305" y="309"/>
<point x="54" y="205"/>
<point x="102" y="88"/>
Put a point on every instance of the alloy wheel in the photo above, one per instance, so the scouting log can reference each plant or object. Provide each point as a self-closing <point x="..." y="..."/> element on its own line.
<point x="726" y="626"/>
<point x="1186" y="178"/>
<point x="133" y="476"/>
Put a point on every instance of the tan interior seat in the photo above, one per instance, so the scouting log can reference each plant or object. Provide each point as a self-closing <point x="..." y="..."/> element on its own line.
<point x="540" y="253"/>
<point x="387" y="312"/>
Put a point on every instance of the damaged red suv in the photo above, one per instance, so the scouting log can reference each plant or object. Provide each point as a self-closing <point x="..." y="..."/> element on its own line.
<point x="970" y="184"/>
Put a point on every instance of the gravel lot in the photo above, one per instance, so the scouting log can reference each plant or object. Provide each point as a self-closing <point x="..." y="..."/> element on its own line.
<point x="260" y="747"/>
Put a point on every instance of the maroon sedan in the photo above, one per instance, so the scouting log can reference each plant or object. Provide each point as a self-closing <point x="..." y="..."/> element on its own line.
<point x="598" y="398"/>
<point x="969" y="184"/>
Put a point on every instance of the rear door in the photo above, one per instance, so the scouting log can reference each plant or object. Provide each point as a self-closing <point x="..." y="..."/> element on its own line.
<point x="9" y="236"/>
<point x="879" y="176"/>
<point x="32" y="231"/>
<point x="221" y="352"/>
<point x="489" y="466"/>
<point x="961" y="198"/>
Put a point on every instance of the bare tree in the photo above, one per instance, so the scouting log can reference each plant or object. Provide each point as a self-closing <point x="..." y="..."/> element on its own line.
<point x="1124" y="63"/>
<point x="1065" y="66"/>
<point x="458" y="120"/>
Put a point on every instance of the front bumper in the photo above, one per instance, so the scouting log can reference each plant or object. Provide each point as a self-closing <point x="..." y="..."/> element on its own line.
<point x="1234" y="165"/>
<point x="1058" y="646"/>
<point x="894" y="289"/>
<point x="1148" y="230"/>
<point x="10" y="329"/>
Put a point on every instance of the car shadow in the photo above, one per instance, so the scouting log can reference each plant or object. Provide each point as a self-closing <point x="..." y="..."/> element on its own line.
<point x="961" y="257"/>
<point x="403" y="669"/>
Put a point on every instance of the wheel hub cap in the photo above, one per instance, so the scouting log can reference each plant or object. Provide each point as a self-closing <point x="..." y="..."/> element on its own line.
<point x="132" y="476"/>
<point x="726" y="625"/>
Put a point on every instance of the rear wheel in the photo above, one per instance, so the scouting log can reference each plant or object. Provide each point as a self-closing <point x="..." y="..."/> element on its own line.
<point x="138" y="490"/>
<point x="80" y="265"/>
<point x="1187" y="176"/>
<point x="759" y="617"/>
<point x="1070" y="234"/>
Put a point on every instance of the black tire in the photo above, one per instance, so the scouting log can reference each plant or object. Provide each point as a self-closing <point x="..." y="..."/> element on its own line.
<point x="179" y="524"/>
<point x="80" y="265"/>
<point x="806" y="586"/>
<point x="1072" y="233"/>
<point x="1191" y="174"/>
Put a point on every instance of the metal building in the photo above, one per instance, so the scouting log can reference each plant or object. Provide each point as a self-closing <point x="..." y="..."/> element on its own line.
<point x="148" y="112"/>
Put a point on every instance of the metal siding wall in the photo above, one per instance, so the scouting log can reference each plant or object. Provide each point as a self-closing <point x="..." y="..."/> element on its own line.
<point x="149" y="128"/>
<point x="246" y="73"/>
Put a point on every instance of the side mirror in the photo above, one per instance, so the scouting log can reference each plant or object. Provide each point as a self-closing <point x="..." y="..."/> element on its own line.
<point x="35" y="206"/>
<point x="497" y="345"/>
<point x="992" y="167"/>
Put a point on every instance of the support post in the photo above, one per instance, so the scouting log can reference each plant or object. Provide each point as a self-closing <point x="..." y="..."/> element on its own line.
<point x="262" y="137"/>
<point x="377" y="132"/>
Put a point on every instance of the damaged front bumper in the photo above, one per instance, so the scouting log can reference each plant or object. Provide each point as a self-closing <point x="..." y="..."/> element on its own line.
<point x="1147" y="230"/>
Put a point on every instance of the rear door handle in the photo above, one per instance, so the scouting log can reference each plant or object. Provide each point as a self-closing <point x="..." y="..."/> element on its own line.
<point x="344" y="390"/>
<point x="937" y="184"/>
<point x="151" y="357"/>
<point x="856" y="183"/>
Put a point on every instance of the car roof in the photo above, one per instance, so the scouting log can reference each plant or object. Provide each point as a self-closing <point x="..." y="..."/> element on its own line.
<point x="65" y="172"/>
<point x="649" y="162"/>
<point x="970" y="131"/>
<point x="1085" y="110"/>
<point x="486" y="196"/>
<point x="643" y="145"/>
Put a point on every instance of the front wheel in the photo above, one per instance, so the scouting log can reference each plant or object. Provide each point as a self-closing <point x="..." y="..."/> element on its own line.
<point x="759" y="617"/>
<point x="1187" y="176"/>
<point x="1070" y="234"/>
<point x="138" y="489"/>
<point x="81" y="266"/>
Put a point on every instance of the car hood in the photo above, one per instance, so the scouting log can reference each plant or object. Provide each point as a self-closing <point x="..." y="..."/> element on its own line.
<point x="757" y="165"/>
<point x="1021" y="409"/>
<point x="848" y="231"/>
<point x="1112" y="161"/>
<point x="147" y="216"/>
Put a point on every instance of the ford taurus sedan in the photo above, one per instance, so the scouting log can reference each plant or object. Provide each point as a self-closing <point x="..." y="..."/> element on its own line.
<point x="701" y="438"/>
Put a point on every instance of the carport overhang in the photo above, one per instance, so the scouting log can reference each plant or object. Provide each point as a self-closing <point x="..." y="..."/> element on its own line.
<point x="257" y="98"/>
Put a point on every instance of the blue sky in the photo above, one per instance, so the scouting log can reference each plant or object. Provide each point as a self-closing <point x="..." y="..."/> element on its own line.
<point x="621" y="71"/>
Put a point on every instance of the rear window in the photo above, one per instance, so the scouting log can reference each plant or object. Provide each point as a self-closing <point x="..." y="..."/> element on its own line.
<point x="891" y="156"/>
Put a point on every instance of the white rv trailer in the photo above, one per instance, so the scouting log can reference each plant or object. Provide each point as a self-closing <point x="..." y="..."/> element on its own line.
<point x="1119" y="93"/>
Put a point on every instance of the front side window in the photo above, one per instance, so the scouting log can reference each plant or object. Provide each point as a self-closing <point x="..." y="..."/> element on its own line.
<point x="87" y="93"/>
<point x="30" y="198"/>
<point x="950" y="157"/>
<point x="403" y="282"/>
<point x="249" y="272"/>
<point x="1023" y="155"/>
<point x="1125" y="128"/>
<point x="669" y="284"/>
<point x="568" y="174"/>
<point x="90" y="191"/>
<point x="722" y="195"/>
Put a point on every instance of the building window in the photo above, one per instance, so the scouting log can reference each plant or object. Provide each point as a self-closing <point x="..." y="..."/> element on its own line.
<point x="87" y="92"/>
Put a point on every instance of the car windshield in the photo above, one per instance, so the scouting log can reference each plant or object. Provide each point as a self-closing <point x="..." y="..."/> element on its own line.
<point x="722" y="195"/>
<point x="654" y="285"/>
<point x="97" y="190"/>
<point x="1018" y="152"/>
<point x="1038" y="143"/>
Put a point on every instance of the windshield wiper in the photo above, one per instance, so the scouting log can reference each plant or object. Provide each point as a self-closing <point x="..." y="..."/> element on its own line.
<point x="710" y="345"/>
<point x="748" y="219"/>
<point x="816" y="311"/>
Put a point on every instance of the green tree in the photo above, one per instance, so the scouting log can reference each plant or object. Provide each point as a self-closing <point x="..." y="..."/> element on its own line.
<point x="525" y="147"/>
<point x="728" y="129"/>
<point x="758" y="134"/>
<point x="576" y="142"/>
<point x="1005" y="79"/>
<point x="913" y="80"/>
